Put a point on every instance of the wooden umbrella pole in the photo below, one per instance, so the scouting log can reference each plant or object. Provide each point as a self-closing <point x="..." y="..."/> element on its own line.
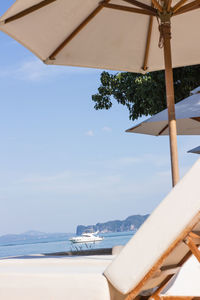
<point x="165" y="29"/>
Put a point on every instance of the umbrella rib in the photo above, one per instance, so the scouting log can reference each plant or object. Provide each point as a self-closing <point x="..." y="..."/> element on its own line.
<point x="129" y="9"/>
<point x="178" y="5"/>
<point x="141" y="5"/>
<point x="164" y="128"/>
<point x="28" y="10"/>
<point x="188" y="7"/>
<point x="157" y="5"/>
<point x="77" y="30"/>
<point x="169" y="5"/>
<point x="146" y="55"/>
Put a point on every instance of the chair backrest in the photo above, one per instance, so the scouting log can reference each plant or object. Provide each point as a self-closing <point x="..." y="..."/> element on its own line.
<point x="158" y="249"/>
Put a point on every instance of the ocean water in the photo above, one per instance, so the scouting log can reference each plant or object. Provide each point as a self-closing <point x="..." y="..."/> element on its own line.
<point x="52" y="246"/>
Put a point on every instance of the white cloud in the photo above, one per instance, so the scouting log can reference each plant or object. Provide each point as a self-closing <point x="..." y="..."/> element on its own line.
<point x="35" y="70"/>
<point x="107" y="129"/>
<point x="90" y="133"/>
<point x="94" y="184"/>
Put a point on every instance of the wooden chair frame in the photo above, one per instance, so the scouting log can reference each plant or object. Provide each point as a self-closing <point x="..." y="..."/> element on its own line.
<point x="192" y="239"/>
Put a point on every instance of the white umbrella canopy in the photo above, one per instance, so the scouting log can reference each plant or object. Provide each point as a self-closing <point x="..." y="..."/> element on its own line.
<point x="111" y="39"/>
<point x="111" y="34"/>
<point x="195" y="150"/>
<point x="187" y="119"/>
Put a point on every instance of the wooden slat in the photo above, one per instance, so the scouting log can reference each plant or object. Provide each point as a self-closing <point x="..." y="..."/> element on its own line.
<point x="185" y="258"/>
<point x="157" y="5"/>
<point x="189" y="242"/>
<point x="141" y="5"/>
<point x="28" y="10"/>
<point x="195" y="238"/>
<point x="196" y="232"/>
<point x="178" y="5"/>
<point x="146" y="55"/>
<point x="166" y="271"/>
<point x="173" y="268"/>
<point x="129" y="9"/>
<point x="76" y="31"/>
<point x="188" y="7"/>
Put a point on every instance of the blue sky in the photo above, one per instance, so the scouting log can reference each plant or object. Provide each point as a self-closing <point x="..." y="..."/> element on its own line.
<point x="61" y="162"/>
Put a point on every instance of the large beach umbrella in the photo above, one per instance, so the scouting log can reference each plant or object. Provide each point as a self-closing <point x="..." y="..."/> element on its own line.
<point x="111" y="34"/>
<point x="195" y="150"/>
<point x="187" y="119"/>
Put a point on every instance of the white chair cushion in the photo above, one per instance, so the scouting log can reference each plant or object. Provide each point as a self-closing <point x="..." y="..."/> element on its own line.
<point x="156" y="235"/>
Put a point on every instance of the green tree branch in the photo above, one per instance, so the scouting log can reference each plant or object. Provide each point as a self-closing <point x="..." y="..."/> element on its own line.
<point x="144" y="94"/>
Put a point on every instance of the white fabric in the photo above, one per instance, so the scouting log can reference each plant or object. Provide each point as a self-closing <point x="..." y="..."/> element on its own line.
<point x="156" y="235"/>
<point x="187" y="281"/>
<point x="185" y="110"/>
<point x="111" y="40"/>
<point x="42" y="278"/>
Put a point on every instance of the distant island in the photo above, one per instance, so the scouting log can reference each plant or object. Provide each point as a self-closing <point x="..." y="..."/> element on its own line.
<point x="130" y="223"/>
<point x="32" y="237"/>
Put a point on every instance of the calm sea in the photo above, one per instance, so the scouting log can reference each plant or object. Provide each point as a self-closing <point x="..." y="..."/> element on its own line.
<point x="42" y="246"/>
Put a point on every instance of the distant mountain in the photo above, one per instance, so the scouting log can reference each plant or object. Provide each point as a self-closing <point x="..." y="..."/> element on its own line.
<point x="32" y="237"/>
<point x="130" y="223"/>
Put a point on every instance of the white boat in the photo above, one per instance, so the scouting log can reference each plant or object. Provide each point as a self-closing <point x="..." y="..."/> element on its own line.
<point x="86" y="238"/>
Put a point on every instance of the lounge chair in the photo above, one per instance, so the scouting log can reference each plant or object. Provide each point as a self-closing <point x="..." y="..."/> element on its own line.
<point x="143" y="268"/>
